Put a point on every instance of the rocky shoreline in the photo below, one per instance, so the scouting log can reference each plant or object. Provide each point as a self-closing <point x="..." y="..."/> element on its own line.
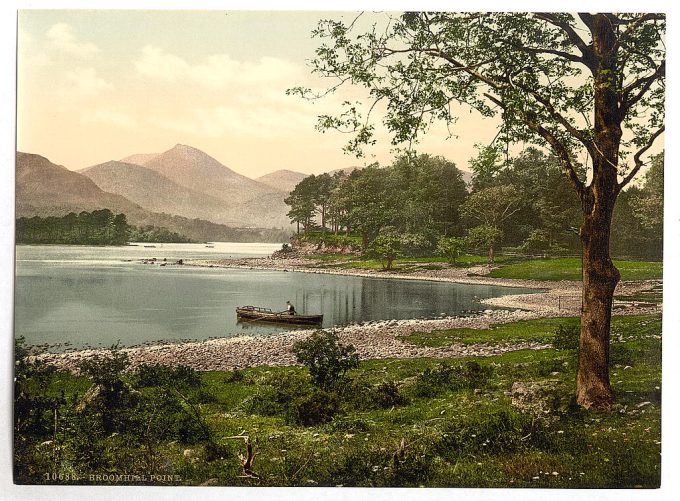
<point x="373" y="340"/>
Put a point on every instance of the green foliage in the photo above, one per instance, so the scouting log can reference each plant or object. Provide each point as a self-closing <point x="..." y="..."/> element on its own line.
<point x="451" y="248"/>
<point x="537" y="241"/>
<point x="150" y="233"/>
<point x="387" y="395"/>
<point x="327" y="360"/>
<point x="387" y="247"/>
<point x="458" y="439"/>
<point x="99" y="227"/>
<point x="484" y="236"/>
<point x="150" y="375"/>
<point x="567" y="337"/>
<point x="314" y="408"/>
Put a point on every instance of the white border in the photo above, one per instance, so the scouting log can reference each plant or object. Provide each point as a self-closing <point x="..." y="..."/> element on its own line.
<point x="8" y="491"/>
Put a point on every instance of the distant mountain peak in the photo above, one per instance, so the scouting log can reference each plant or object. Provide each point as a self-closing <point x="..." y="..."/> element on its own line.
<point x="139" y="158"/>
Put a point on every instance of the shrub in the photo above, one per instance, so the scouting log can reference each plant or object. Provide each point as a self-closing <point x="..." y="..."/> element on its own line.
<point x="150" y="375"/>
<point x="270" y="401"/>
<point x="387" y="247"/>
<point x="473" y="375"/>
<point x="451" y="248"/>
<point x="327" y="360"/>
<point x="387" y="395"/>
<point x="235" y="376"/>
<point x="314" y="408"/>
<point x="566" y="337"/>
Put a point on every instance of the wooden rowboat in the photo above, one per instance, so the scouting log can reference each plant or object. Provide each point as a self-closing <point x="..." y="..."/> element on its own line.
<point x="257" y="314"/>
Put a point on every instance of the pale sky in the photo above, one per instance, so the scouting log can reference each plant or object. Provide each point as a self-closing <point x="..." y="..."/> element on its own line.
<point x="95" y="86"/>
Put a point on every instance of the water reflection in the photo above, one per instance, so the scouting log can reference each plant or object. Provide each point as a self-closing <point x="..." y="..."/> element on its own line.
<point x="98" y="304"/>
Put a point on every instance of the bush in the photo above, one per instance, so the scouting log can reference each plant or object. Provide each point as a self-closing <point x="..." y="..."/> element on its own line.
<point x="327" y="360"/>
<point x="566" y="337"/>
<point x="235" y="376"/>
<point x="151" y="375"/>
<point x="276" y="400"/>
<point x="314" y="408"/>
<point x="387" y="395"/>
<point x="451" y="248"/>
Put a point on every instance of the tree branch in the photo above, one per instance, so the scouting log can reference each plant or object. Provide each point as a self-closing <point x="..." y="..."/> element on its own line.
<point x="645" y="83"/>
<point x="574" y="37"/>
<point x="561" y="150"/>
<point x="638" y="157"/>
<point x="565" y="55"/>
<point x="576" y="133"/>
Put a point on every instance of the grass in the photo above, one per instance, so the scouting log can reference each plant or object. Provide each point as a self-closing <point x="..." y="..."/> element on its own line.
<point x="459" y="437"/>
<point x="552" y="269"/>
<point x="401" y="265"/>
<point x="540" y="330"/>
<point x="570" y="269"/>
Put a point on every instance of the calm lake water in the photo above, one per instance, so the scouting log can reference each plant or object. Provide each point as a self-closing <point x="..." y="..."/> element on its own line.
<point x="78" y="296"/>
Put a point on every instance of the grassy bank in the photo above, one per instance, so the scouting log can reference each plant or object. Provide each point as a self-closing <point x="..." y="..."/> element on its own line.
<point x="401" y="265"/>
<point x="569" y="268"/>
<point x="552" y="269"/>
<point x="397" y="422"/>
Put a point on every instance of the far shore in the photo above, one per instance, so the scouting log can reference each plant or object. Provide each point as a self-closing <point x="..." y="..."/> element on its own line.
<point x="377" y="339"/>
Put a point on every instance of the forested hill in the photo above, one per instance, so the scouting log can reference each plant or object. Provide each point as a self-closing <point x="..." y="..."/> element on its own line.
<point x="99" y="227"/>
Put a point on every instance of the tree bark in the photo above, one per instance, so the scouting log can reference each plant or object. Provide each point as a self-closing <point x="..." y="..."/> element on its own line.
<point x="600" y="276"/>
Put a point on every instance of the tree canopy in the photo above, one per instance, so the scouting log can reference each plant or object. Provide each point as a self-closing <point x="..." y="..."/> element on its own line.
<point x="590" y="84"/>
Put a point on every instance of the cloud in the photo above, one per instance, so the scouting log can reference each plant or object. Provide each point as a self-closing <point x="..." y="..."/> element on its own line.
<point x="261" y="122"/>
<point x="215" y="71"/>
<point x="62" y="38"/>
<point x="108" y="116"/>
<point x="86" y="82"/>
<point x="154" y="62"/>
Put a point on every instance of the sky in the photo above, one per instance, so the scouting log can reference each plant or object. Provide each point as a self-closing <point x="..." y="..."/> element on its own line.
<point x="95" y="86"/>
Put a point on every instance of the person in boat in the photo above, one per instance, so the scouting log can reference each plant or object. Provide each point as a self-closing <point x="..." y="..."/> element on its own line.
<point x="290" y="308"/>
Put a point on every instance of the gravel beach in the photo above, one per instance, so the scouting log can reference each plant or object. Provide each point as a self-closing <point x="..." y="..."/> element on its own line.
<point x="378" y="339"/>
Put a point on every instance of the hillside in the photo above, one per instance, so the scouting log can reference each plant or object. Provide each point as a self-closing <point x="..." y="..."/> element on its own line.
<point x="47" y="189"/>
<point x="44" y="188"/>
<point x="139" y="158"/>
<point x="284" y="179"/>
<point x="250" y="203"/>
<point x="155" y="192"/>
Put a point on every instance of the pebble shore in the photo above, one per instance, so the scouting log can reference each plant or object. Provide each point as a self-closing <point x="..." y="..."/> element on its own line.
<point x="377" y="339"/>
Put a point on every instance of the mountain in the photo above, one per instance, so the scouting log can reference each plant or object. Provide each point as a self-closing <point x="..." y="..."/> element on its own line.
<point x="284" y="179"/>
<point x="345" y="170"/>
<point x="139" y="158"/>
<point x="251" y="203"/>
<point x="467" y="176"/>
<point x="44" y="188"/>
<point x="155" y="192"/>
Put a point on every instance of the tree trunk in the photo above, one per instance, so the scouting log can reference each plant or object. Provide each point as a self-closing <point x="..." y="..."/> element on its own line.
<point x="600" y="277"/>
<point x="491" y="255"/>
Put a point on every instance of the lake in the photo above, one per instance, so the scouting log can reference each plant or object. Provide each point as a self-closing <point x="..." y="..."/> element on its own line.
<point x="77" y="296"/>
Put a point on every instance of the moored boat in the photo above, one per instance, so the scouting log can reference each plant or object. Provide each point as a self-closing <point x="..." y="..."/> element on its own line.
<point x="255" y="313"/>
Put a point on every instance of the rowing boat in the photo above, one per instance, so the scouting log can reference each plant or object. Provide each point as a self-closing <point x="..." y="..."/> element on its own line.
<point x="256" y="313"/>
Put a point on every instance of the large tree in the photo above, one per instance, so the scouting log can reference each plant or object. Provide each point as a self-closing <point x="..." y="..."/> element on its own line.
<point x="586" y="83"/>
